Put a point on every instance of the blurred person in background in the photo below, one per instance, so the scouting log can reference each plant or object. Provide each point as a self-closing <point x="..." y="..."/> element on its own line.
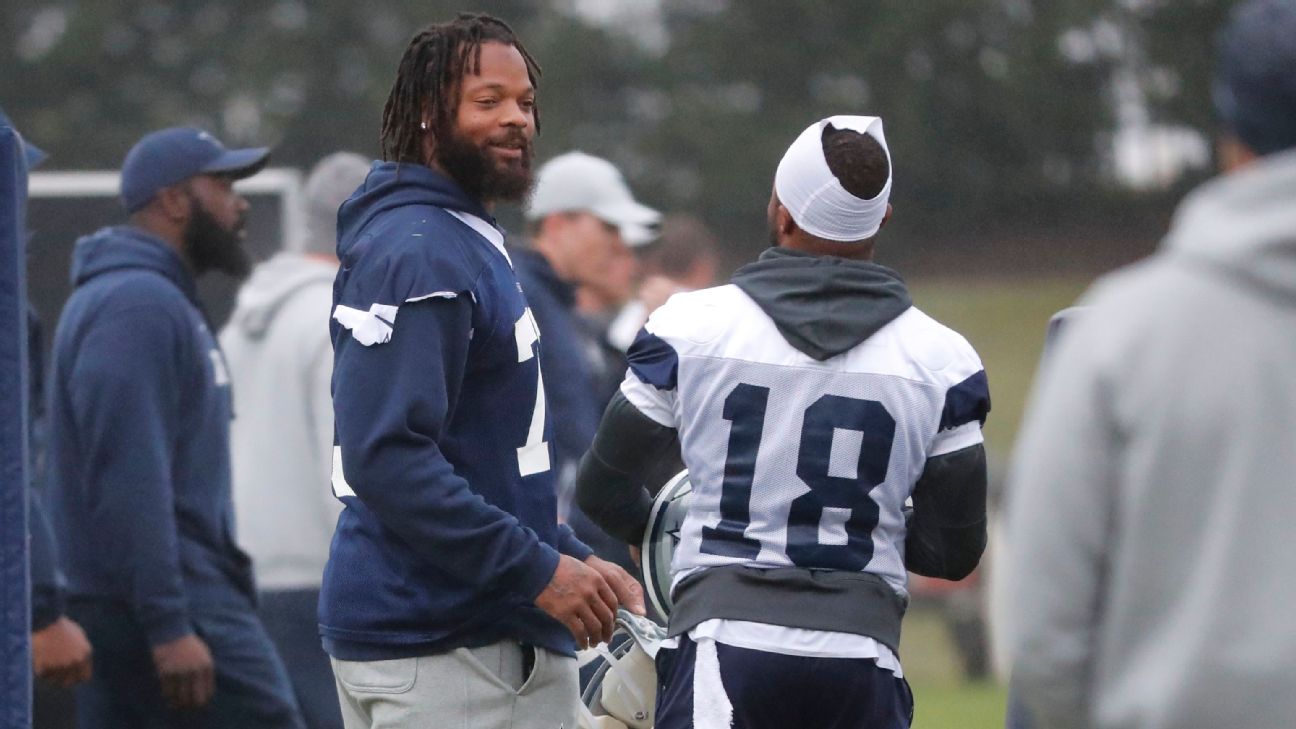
<point x="452" y="595"/>
<point x="139" y="455"/>
<point x="579" y="218"/>
<point x="281" y="362"/>
<point x="1151" y="498"/>
<point x="1017" y="716"/>
<point x="61" y="653"/>
<point x="684" y="257"/>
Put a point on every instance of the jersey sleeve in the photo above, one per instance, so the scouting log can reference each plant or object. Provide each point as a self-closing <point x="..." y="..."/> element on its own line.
<point x="966" y="406"/>
<point x="651" y="382"/>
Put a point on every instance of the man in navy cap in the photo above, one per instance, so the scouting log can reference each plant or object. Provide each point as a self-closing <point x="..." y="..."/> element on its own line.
<point x="139" y="455"/>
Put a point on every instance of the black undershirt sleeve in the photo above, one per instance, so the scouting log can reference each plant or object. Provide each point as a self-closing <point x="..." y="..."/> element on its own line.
<point x="947" y="527"/>
<point x="614" y="477"/>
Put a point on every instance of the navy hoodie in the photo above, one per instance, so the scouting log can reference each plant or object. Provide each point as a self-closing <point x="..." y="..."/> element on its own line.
<point x="139" y="410"/>
<point x="574" y="402"/>
<point x="443" y="455"/>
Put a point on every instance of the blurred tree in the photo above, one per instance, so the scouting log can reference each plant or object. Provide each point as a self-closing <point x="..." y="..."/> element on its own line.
<point x="999" y="112"/>
<point x="90" y="78"/>
<point x="1176" y="62"/>
<point x="985" y="115"/>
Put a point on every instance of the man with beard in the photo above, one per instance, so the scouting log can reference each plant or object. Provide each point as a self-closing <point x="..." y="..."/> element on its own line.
<point x="451" y="596"/>
<point x="139" y="455"/>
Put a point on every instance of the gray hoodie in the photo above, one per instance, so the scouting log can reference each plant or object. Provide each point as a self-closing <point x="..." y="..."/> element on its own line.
<point x="1153" y="491"/>
<point x="280" y="360"/>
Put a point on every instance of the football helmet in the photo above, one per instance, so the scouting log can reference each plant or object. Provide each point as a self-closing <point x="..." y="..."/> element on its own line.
<point x="661" y="537"/>
<point x="619" y="678"/>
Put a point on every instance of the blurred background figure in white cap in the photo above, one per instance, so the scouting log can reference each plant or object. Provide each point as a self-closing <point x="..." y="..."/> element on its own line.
<point x="579" y="268"/>
<point x="584" y="220"/>
<point x="281" y="362"/>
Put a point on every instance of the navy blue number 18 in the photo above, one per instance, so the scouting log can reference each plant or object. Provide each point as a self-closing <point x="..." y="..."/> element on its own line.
<point x="849" y="497"/>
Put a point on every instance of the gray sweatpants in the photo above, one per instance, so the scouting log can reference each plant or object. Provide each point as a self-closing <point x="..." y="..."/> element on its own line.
<point x="468" y="688"/>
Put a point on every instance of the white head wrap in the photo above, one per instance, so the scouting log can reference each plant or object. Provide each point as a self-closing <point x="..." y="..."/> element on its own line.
<point x="813" y="195"/>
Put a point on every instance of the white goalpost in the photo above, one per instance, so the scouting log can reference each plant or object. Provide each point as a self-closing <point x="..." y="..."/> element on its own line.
<point x="285" y="183"/>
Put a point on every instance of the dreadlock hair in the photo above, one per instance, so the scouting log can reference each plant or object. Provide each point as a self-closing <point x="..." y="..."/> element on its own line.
<point x="857" y="161"/>
<point x="428" y="79"/>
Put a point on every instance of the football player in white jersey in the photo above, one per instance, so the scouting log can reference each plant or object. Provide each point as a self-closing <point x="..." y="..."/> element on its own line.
<point x="810" y="400"/>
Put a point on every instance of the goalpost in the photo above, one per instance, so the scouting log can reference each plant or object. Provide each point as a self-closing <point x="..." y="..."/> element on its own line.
<point x="284" y="182"/>
<point x="65" y="205"/>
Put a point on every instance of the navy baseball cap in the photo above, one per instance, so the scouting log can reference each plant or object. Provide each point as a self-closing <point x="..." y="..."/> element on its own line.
<point x="171" y="156"/>
<point x="33" y="153"/>
<point x="1255" y="87"/>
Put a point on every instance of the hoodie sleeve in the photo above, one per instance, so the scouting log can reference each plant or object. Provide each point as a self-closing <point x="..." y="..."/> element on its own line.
<point x="47" y="582"/>
<point x="123" y="388"/>
<point x="392" y="403"/>
<point x="571" y="545"/>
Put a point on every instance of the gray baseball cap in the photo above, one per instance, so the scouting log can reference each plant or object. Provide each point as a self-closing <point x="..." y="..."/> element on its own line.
<point x="576" y="182"/>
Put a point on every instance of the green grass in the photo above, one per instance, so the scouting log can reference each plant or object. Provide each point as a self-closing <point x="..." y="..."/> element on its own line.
<point x="968" y="706"/>
<point x="1005" y="321"/>
<point x="942" y="698"/>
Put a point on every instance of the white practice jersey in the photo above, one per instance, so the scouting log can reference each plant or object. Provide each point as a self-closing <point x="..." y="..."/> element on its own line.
<point x="795" y="461"/>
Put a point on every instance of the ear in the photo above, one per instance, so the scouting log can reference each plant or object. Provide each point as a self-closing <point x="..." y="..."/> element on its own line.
<point x="885" y="218"/>
<point x="175" y="203"/>
<point x="1231" y="154"/>
<point x="784" y="225"/>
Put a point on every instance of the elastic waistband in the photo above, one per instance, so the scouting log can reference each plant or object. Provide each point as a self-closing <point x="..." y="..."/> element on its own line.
<point x="832" y="600"/>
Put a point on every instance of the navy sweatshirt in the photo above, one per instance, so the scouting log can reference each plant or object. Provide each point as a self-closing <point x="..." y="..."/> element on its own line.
<point x="569" y="383"/>
<point x="46" y="580"/>
<point x="443" y="455"/>
<point x="139" y="410"/>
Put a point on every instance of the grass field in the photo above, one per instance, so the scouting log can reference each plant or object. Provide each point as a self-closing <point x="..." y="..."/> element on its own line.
<point x="942" y="698"/>
<point x="1005" y="320"/>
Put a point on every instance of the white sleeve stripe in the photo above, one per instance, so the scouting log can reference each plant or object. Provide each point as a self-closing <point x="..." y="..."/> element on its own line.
<point x="650" y="401"/>
<point x="368" y="327"/>
<point x="433" y="295"/>
<point x="955" y="439"/>
<point x="340" y="486"/>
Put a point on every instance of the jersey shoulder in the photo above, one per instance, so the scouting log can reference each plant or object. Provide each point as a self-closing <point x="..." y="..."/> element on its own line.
<point x="940" y="354"/>
<point x="692" y="318"/>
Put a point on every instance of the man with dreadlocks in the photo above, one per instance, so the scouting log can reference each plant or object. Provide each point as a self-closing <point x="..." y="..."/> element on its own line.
<point x="451" y="592"/>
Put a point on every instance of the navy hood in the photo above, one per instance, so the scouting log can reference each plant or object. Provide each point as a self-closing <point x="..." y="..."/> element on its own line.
<point x="823" y="305"/>
<point x="126" y="247"/>
<point x="392" y="185"/>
